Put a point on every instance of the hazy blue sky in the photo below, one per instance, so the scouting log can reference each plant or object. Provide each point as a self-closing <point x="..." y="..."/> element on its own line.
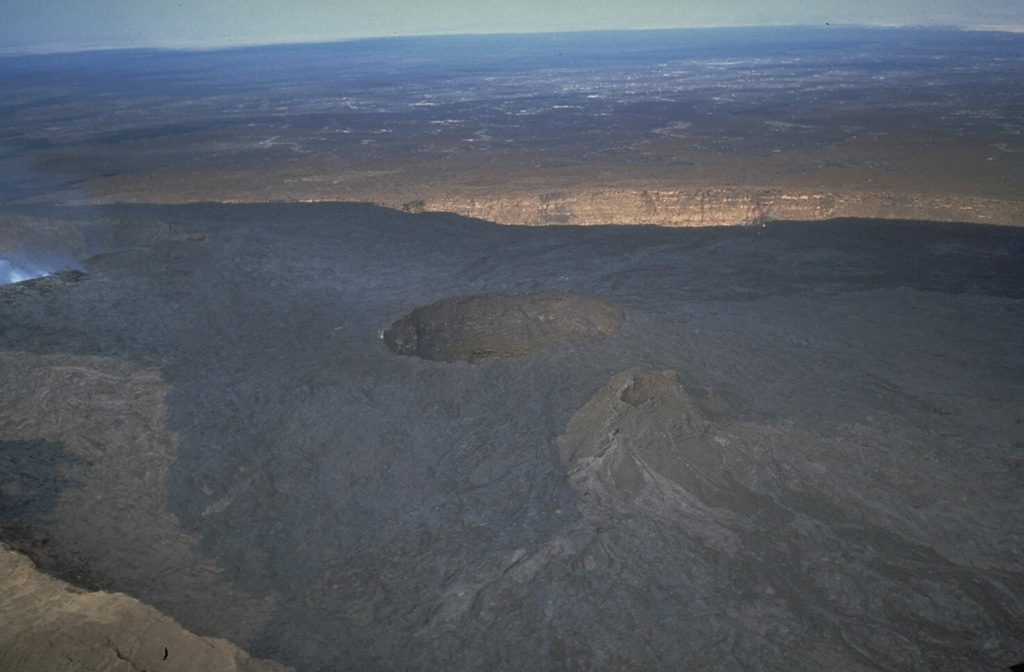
<point x="41" y="25"/>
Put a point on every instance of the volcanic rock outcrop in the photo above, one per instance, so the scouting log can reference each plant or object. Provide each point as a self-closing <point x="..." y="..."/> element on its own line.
<point x="489" y="327"/>
<point x="644" y="426"/>
<point x="49" y="625"/>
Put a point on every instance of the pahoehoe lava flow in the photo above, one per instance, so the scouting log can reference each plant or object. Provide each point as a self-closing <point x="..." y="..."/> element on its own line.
<point x="636" y="447"/>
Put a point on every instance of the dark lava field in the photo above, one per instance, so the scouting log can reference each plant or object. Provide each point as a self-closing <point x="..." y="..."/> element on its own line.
<point x="781" y="447"/>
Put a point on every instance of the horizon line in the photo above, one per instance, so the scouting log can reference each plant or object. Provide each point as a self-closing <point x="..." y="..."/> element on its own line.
<point x="225" y="45"/>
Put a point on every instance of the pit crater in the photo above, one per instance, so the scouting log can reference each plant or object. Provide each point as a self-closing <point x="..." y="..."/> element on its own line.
<point x="489" y="327"/>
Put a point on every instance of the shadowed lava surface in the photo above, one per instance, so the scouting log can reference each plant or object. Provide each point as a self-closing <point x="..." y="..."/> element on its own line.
<point x="820" y="426"/>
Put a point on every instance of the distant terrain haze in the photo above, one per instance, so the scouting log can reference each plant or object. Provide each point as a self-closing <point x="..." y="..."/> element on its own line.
<point x="70" y="25"/>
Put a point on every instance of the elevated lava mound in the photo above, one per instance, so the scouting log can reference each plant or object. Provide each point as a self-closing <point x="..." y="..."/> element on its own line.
<point x="487" y="327"/>
<point x="644" y="426"/>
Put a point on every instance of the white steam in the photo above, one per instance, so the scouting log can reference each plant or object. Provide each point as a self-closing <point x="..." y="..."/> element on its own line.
<point x="20" y="267"/>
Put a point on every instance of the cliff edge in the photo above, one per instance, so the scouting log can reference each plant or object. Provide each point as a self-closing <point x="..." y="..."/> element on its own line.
<point x="49" y="625"/>
<point x="721" y="206"/>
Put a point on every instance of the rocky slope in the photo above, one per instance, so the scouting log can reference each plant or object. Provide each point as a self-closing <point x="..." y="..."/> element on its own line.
<point x="47" y="625"/>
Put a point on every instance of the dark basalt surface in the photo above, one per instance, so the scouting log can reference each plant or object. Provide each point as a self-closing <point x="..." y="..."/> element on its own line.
<point x="831" y="479"/>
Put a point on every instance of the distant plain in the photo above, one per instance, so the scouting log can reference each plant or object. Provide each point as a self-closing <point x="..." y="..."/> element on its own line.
<point x="396" y="121"/>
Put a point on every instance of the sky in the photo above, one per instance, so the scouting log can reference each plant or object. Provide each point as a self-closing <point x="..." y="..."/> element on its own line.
<point x="69" y="25"/>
